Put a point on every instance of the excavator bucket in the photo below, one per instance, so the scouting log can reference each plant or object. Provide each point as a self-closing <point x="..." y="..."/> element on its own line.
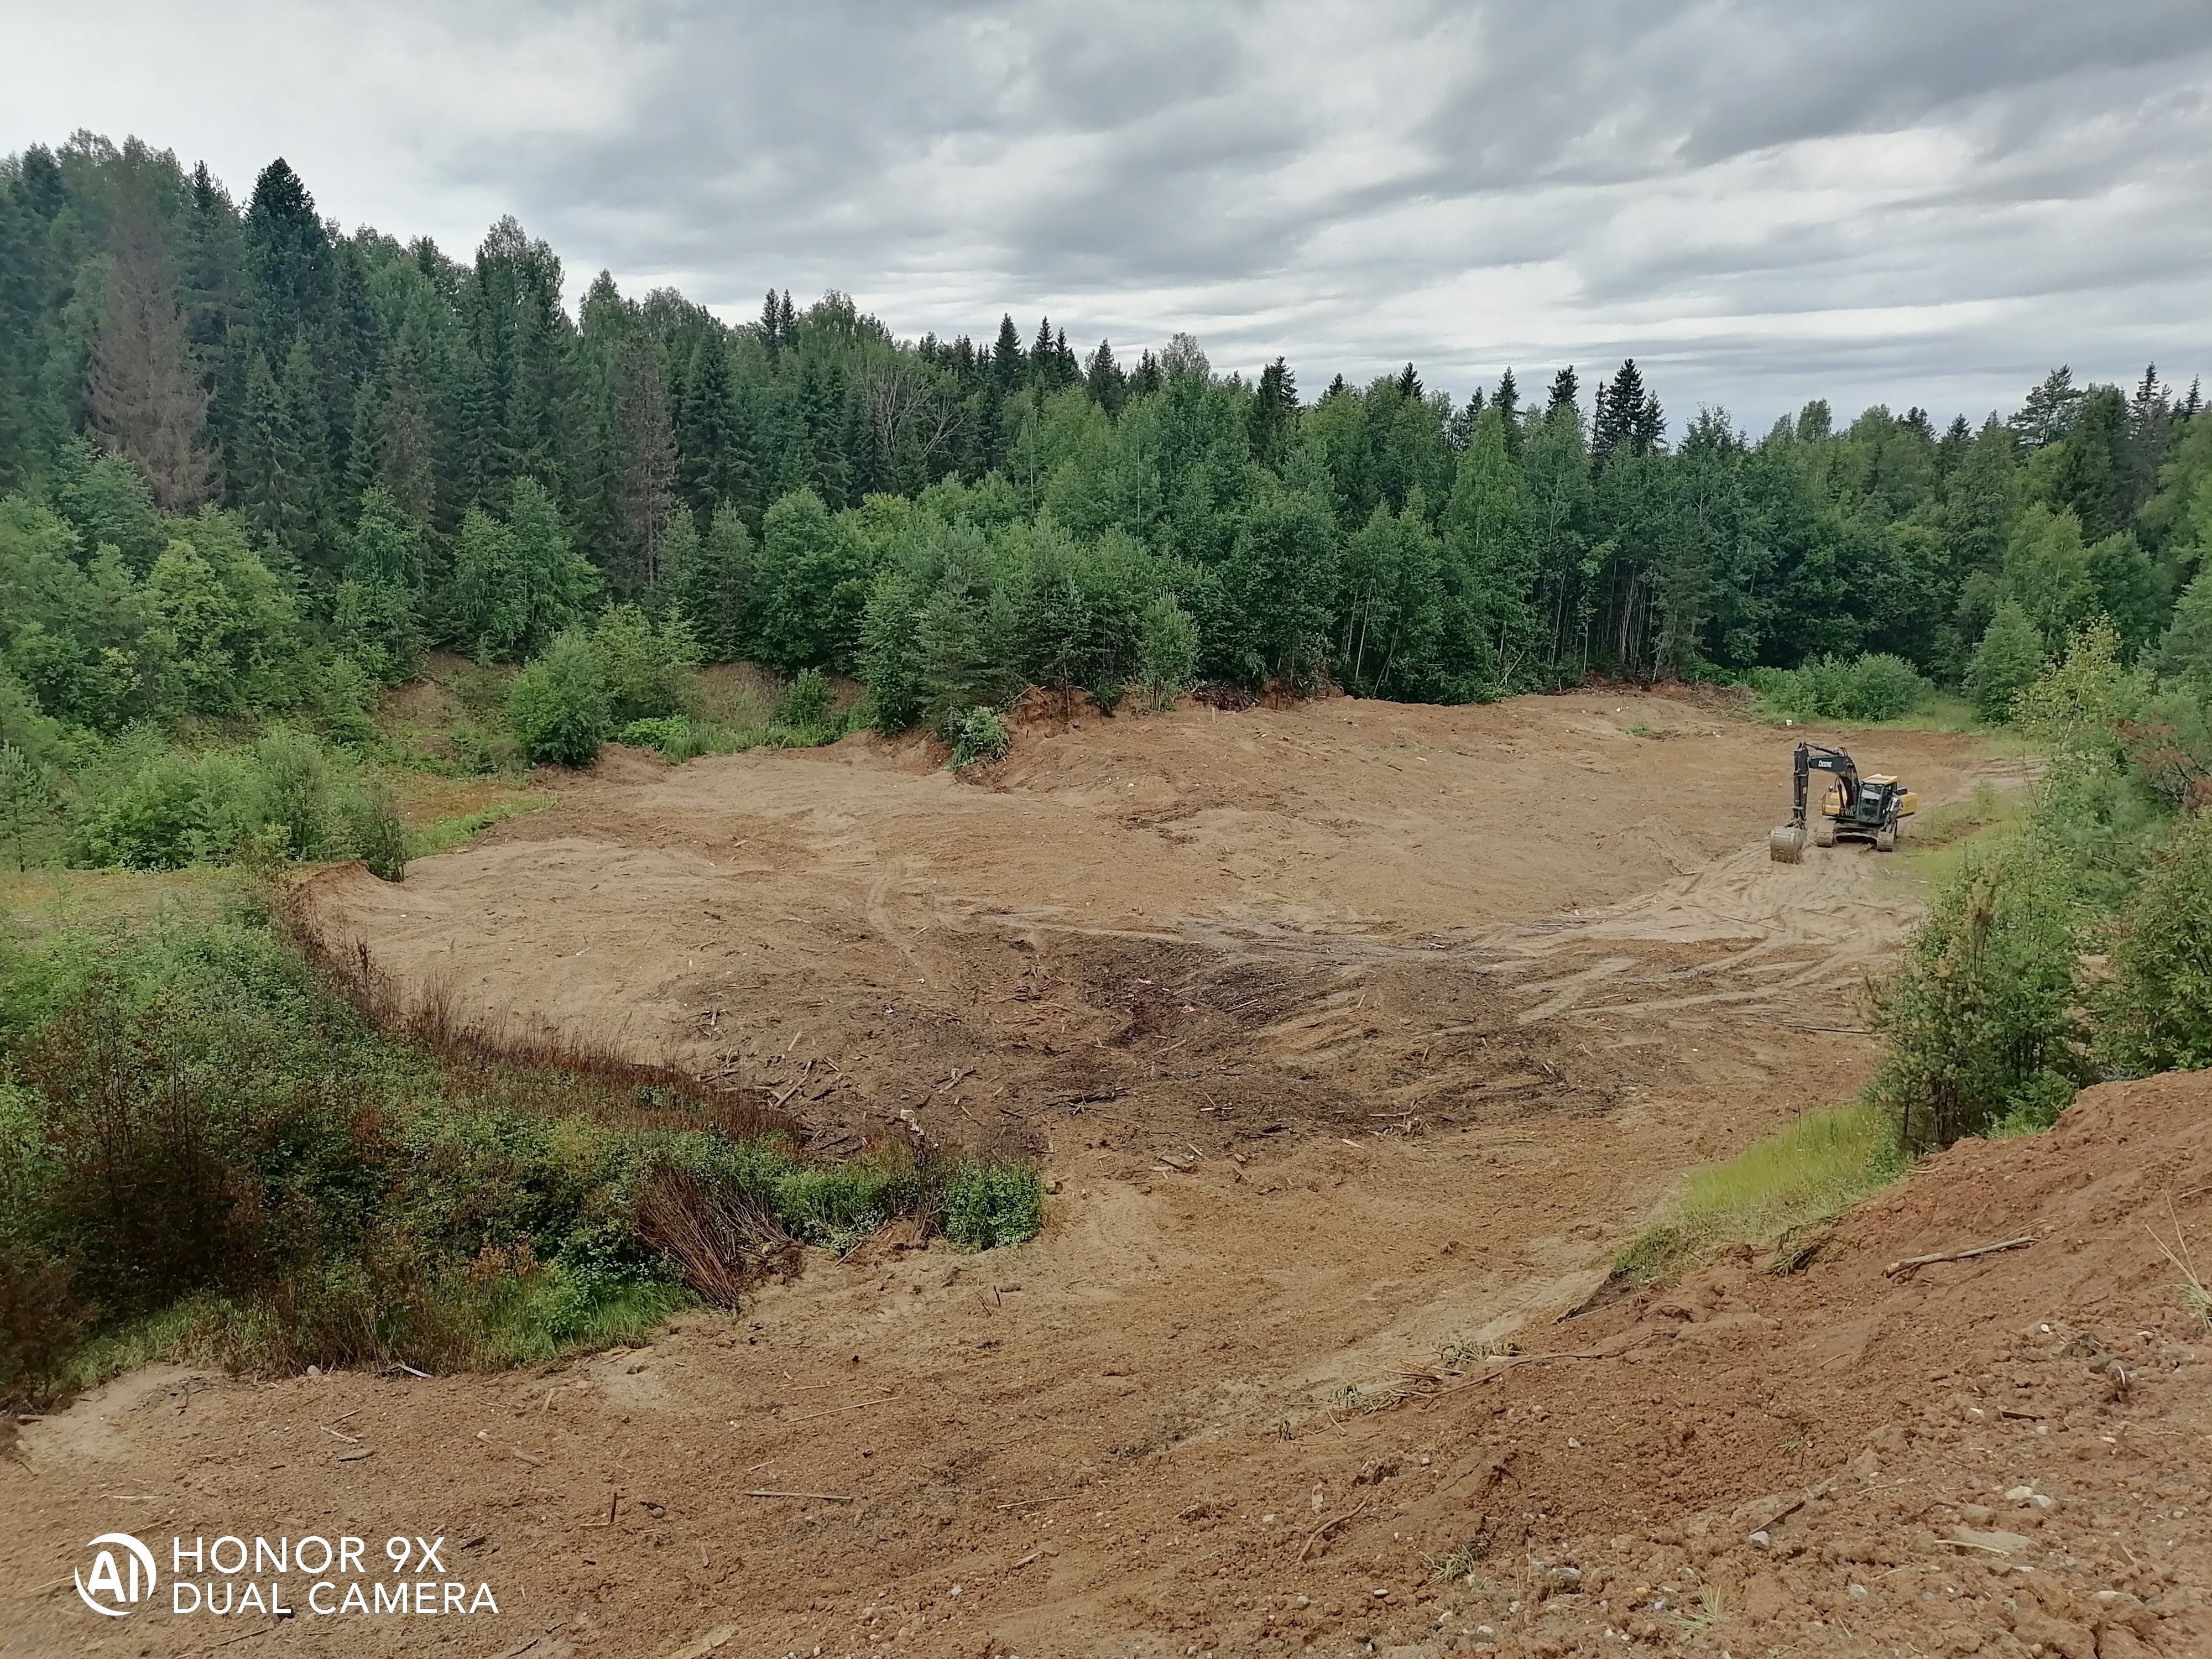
<point x="1787" y="844"/>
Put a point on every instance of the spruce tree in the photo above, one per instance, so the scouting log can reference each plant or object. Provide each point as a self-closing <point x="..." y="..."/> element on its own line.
<point x="141" y="391"/>
<point x="645" y="451"/>
<point x="289" y="257"/>
<point x="1565" y="392"/>
<point x="1490" y="565"/>
<point x="1507" y="403"/>
<point x="1103" y="378"/>
<point x="303" y="411"/>
<point x="1274" y="407"/>
<point x="1618" y="413"/>
<point x="713" y="588"/>
<point x="709" y="438"/>
<point x="269" y="471"/>
<point x="1043" y="360"/>
<point x="1007" y="362"/>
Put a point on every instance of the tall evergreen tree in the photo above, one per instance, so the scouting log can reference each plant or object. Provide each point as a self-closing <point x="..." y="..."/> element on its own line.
<point x="1564" y="394"/>
<point x="141" y="392"/>
<point x="1274" y="408"/>
<point x="645" y="447"/>
<point x="710" y="438"/>
<point x="288" y="258"/>
<point x="310" y="434"/>
<point x="268" y="471"/>
<point x="1103" y="378"/>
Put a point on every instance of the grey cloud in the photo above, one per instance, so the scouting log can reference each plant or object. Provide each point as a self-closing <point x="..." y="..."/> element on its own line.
<point x="1762" y="200"/>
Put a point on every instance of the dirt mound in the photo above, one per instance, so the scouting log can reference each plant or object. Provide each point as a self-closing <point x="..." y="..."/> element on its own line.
<point x="2000" y="1454"/>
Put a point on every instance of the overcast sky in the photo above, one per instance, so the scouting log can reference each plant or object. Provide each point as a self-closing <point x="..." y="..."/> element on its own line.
<point x="1905" y="200"/>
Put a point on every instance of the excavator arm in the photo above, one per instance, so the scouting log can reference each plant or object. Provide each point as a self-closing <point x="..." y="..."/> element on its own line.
<point x="1787" y="844"/>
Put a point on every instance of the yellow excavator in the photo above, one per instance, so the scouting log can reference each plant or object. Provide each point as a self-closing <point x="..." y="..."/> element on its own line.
<point x="1852" y="808"/>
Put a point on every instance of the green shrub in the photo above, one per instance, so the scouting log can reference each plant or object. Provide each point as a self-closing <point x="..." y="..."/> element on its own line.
<point x="647" y="667"/>
<point x="663" y="732"/>
<point x="344" y="696"/>
<point x="805" y="705"/>
<point x="371" y="827"/>
<point x="1107" y="695"/>
<point x="291" y="794"/>
<point x="2155" y="1011"/>
<point x="146" y="806"/>
<point x="1874" y="686"/>
<point x="981" y="737"/>
<point x="1167" y="652"/>
<point x="985" y="1205"/>
<point x="559" y="704"/>
<point x="1980" y="1017"/>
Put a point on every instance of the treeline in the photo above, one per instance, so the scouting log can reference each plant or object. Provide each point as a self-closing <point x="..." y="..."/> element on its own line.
<point x="258" y="462"/>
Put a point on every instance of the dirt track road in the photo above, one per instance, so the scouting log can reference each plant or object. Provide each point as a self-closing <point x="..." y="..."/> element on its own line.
<point x="1353" y="1035"/>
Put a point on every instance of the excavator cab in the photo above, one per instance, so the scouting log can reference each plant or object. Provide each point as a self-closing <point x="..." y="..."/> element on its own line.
<point x="1851" y="808"/>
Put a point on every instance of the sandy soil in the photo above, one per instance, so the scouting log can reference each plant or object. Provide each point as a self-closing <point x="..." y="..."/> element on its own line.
<point x="1356" y="1037"/>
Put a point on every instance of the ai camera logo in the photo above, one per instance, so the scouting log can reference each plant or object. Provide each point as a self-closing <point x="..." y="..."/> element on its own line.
<point x="117" y="1586"/>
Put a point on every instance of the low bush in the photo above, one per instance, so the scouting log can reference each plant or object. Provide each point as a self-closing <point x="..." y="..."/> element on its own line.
<point x="559" y="704"/>
<point x="981" y="737"/>
<point x="1872" y="687"/>
<point x="805" y="705"/>
<point x="2155" y="1009"/>
<point x="1982" y="1016"/>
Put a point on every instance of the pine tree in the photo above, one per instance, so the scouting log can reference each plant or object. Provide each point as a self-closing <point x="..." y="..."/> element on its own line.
<point x="771" y="332"/>
<point x="786" y="324"/>
<point x="2048" y="414"/>
<point x="2150" y="421"/>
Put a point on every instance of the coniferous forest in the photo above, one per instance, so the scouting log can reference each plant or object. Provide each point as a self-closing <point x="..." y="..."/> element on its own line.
<point x="256" y="466"/>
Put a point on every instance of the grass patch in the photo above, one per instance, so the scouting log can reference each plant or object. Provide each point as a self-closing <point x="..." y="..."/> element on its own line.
<point x="1821" y="1164"/>
<point x="444" y="835"/>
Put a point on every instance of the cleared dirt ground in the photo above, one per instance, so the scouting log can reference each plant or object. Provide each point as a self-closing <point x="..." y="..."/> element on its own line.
<point x="1356" y="1037"/>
